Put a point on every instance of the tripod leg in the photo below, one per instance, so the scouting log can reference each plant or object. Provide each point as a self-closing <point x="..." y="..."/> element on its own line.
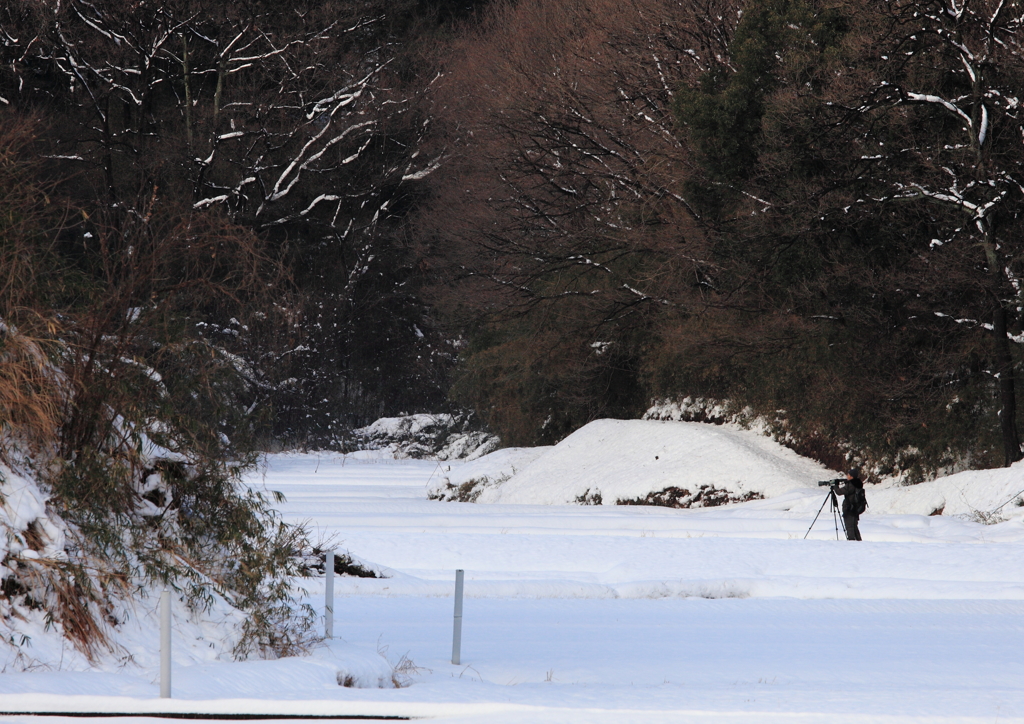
<point x="816" y="516"/>
<point x="835" y="514"/>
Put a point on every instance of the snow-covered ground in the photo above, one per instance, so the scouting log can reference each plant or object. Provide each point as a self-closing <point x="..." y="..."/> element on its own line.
<point x="624" y="613"/>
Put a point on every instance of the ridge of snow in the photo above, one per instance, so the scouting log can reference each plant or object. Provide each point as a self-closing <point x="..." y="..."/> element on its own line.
<point x="625" y="459"/>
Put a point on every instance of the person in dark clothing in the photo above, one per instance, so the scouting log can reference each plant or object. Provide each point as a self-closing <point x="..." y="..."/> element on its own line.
<point x="854" y="502"/>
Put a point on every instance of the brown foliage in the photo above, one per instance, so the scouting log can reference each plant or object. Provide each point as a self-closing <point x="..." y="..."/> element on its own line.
<point x="30" y="396"/>
<point x="31" y="389"/>
<point x="563" y="208"/>
<point x="564" y="165"/>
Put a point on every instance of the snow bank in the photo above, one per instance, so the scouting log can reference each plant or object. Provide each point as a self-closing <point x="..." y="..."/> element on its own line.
<point x="30" y="533"/>
<point x="438" y="437"/>
<point x="628" y="459"/>
<point x="33" y="546"/>
<point x="43" y="566"/>
<point x="986" y="496"/>
<point x="205" y="685"/>
<point x="467" y="482"/>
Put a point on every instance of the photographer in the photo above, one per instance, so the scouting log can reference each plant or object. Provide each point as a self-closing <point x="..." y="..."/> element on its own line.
<point x="855" y="502"/>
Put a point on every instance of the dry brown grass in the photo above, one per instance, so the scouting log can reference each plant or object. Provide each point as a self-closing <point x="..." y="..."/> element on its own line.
<point x="72" y="596"/>
<point x="31" y="395"/>
<point x="30" y="389"/>
<point x="77" y="610"/>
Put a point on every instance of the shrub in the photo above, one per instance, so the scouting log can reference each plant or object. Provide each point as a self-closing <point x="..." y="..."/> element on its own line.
<point x="130" y="418"/>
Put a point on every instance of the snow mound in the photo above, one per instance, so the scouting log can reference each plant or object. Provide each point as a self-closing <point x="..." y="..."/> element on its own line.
<point x="611" y="460"/>
<point x="985" y="496"/>
<point x="466" y="482"/>
<point x="437" y="437"/>
<point x="31" y="534"/>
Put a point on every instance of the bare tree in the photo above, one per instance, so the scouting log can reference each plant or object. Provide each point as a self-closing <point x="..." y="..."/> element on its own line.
<point x="940" y="125"/>
<point x="300" y="121"/>
<point x="566" y="180"/>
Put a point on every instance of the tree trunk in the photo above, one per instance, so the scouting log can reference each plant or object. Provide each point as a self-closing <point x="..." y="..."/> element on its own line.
<point x="1007" y="392"/>
<point x="186" y="73"/>
<point x="1002" y="354"/>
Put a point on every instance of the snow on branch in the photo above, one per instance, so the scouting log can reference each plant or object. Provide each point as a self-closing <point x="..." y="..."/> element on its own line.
<point x="928" y="98"/>
<point x="202" y="204"/>
<point x="966" y="322"/>
<point x="424" y="172"/>
<point x="299" y="164"/>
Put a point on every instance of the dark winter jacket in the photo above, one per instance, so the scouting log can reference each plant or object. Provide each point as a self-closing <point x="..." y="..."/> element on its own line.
<point x="854" y="500"/>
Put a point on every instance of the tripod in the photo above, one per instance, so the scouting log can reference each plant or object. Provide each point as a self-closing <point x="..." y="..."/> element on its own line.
<point x="829" y="497"/>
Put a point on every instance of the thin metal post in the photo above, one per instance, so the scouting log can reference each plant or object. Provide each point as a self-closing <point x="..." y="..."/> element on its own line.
<point x="165" y="645"/>
<point x="457" y="631"/>
<point x="329" y="596"/>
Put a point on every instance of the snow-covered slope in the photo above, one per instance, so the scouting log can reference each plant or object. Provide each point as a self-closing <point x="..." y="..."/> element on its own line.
<point x="467" y="482"/>
<point x="627" y="459"/>
<point x="987" y="496"/>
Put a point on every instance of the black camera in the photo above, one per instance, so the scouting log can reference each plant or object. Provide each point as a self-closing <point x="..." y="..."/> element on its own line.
<point x="837" y="481"/>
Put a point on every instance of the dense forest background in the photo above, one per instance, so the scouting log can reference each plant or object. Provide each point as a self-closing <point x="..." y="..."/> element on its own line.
<point x="250" y="224"/>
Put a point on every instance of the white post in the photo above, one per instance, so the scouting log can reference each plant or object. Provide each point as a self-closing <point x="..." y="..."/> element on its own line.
<point x="329" y="595"/>
<point x="457" y="632"/>
<point x="165" y="644"/>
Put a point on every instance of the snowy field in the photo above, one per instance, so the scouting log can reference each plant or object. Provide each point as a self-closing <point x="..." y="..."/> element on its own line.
<point x="622" y="613"/>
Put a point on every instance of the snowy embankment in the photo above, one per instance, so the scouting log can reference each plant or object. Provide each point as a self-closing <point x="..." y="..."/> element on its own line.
<point x="31" y="641"/>
<point x="437" y="437"/>
<point x="609" y="461"/>
<point x="986" y="496"/>
<point x="627" y="459"/>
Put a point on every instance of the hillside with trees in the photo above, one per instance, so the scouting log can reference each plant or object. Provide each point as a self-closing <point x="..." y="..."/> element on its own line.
<point x="805" y="211"/>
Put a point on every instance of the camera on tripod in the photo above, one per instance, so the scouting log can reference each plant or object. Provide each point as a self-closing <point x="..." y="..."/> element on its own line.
<point x="830" y="497"/>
